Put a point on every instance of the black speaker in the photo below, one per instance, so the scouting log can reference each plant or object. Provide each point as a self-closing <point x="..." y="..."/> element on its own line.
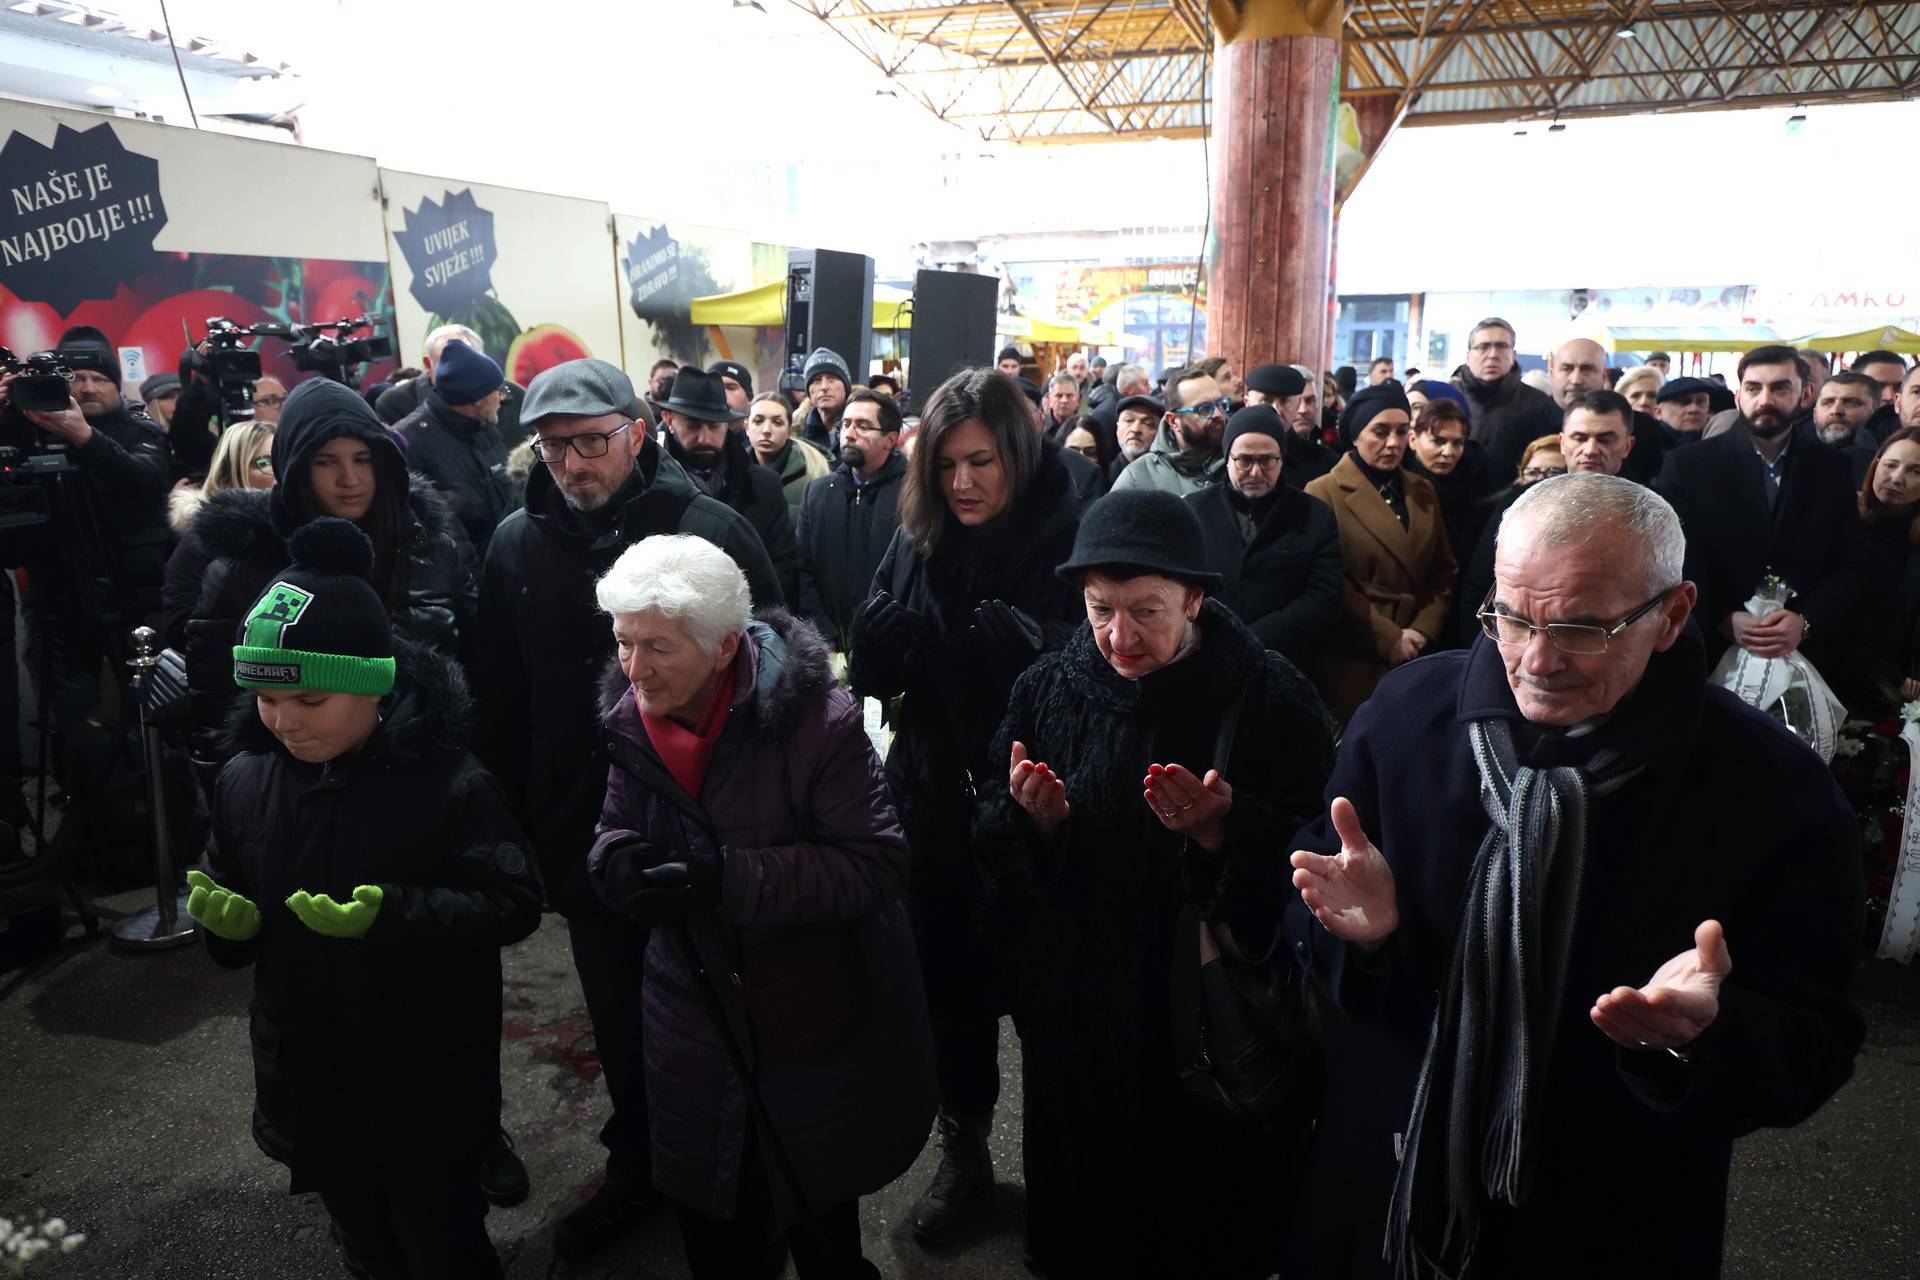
<point x="830" y="304"/>
<point x="953" y="322"/>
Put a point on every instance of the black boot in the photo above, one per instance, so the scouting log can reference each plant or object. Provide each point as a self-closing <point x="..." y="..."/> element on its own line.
<point x="503" y="1178"/>
<point x="601" y="1221"/>
<point x="963" y="1179"/>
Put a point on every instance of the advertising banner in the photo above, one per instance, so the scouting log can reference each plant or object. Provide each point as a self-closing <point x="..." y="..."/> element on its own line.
<point x="664" y="266"/>
<point x="144" y="231"/>
<point x="532" y="274"/>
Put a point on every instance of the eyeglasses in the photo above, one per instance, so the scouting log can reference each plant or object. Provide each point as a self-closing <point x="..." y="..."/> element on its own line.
<point x="588" y="444"/>
<point x="1542" y="473"/>
<point x="506" y="392"/>
<point x="262" y="463"/>
<point x="1568" y="637"/>
<point x="1254" y="461"/>
<point x="1489" y="348"/>
<point x="271" y="402"/>
<point x="1207" y="409"/>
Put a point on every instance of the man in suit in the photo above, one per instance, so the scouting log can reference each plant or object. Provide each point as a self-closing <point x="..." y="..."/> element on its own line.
<point x="1766" y="498"/>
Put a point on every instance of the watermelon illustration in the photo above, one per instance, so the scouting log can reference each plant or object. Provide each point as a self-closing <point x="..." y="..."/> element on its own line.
<point x="542" y="347"/>
<point x="489" y="318"/>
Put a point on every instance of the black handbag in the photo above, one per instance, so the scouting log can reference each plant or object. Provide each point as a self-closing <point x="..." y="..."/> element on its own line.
<point x="1247" y="1030"/>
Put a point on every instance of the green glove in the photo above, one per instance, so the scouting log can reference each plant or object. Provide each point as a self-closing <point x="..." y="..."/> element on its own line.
<point x="323" y="915"/>
<point x="221" y="912"/>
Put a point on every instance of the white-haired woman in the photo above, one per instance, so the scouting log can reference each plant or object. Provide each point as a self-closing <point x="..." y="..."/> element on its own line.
<point x="747" y="816"/>
<point x="1641" y="386"/>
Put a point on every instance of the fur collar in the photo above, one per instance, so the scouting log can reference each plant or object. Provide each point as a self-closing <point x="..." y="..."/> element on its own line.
<point x="237" y="523"/>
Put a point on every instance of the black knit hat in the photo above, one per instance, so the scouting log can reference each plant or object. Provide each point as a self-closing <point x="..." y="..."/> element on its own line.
<point x="1281" y="381"/>
<point x="735" y="370"/>
<point x="320" y="625"/>
<point x="1368" y="404"/>
<point x="465" y="376"/>
<point x="1255" y="419"/>
<point x="85" y="347"/>
<point x="1141" y="531"/>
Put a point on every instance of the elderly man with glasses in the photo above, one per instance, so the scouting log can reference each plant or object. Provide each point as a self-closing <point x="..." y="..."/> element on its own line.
<point x="1590" y="917"/>
<point x="1185" y="457"/>
<point x="543" y="650"/>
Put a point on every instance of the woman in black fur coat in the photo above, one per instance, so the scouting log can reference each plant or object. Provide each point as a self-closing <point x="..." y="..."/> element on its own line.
<point x="1157" y="766"/>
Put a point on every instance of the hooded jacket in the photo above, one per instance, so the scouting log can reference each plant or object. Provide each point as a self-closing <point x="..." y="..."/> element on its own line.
<point x="843" y="534"/>
<point x="426" y="578"/>
<point x="1168" y="467"/>
<point x="809" y="945"/>
<point x="756" y="493"/>
<point x="387" y="1047"/>
<point x="467" y="462"/>
<point x="543" y="643"/>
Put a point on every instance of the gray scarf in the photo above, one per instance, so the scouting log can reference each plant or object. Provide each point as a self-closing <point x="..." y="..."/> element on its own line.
<point x="1474" y="1136"/>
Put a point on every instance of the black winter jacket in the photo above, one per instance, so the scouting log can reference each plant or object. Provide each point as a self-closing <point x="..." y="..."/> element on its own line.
<point x="543" y="643"/>
<point x="843" y="535"/>
<point x="467" y="462"/>
<point x="1288" y="584"/>
<point x="1091" y="913"/>
<point x="1507" y="416"/>
<point x="757" y="493"/>
<point x="430" y="591"/>
<point x="386" y="1047"/>
<point x="952" y="688"/>
<point x="402" y="398"/>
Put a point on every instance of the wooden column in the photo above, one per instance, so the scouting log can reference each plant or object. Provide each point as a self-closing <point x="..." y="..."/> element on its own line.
<point x="1270" y="253"/>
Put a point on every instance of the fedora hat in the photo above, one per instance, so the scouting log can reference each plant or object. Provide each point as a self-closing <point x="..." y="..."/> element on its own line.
<point x="699" y="395"/>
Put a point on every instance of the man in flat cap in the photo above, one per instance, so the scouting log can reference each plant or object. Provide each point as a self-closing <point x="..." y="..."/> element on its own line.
<point x="601" y="485"/>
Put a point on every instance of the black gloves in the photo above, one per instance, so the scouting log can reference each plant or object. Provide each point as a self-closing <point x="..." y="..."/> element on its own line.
<point x="653" y="885"/>
<point x="887" y="640"/>
<point x="1007" y="635"/>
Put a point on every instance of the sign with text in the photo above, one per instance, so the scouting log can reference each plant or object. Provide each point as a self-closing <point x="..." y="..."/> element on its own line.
<point x="78" y="217"/>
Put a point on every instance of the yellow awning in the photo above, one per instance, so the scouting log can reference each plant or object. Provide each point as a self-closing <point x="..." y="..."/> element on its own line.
<point x="764" y="307"/>
<point x="1036" y="329"/>
<point x="1727" y="338"/>
<point x="1888" y="338"/>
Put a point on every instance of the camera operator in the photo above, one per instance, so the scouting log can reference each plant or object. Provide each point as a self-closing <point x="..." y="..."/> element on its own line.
<point x="190" y="426"/>
<point x="94" y="567"/>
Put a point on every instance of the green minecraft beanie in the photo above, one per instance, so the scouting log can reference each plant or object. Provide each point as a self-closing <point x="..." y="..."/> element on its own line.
<point x="320" y="625"/>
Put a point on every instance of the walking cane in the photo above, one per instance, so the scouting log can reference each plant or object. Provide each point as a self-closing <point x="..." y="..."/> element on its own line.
<point x="737" y="1055"/>
<point x="163" y="924"/>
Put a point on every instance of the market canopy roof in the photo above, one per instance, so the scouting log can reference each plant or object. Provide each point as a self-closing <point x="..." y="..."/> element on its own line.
<point x="764" y="307"/>
<point x="1737" y="338"/>
<point x="1887" y="338"/>
<point x="1095" y="70"/>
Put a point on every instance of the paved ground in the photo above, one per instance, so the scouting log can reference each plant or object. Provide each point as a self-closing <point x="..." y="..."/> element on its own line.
<point x="125" y="1089"/>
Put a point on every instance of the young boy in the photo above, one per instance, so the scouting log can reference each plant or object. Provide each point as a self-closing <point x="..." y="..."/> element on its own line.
<point x="366" y="865"/>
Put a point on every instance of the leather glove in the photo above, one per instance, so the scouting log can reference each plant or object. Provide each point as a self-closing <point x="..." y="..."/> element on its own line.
<point x="221" y="912"/>
<point x="331" y="919"/>
<point x="669" y="890"/>
<point x="1006" y="634"/>
<point x="886" y="635"/>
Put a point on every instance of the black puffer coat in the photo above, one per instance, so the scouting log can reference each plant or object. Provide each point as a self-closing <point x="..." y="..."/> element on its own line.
<point x="543" y="643"/>
<point x="387" y="1047"/>
<point x="1122" y="1178"/>
<point x="429" y="587"/>
<point x="844" y="531"/>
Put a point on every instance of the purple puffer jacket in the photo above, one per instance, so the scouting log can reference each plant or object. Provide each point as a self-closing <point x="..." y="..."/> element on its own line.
<point x="827" y="1002"/>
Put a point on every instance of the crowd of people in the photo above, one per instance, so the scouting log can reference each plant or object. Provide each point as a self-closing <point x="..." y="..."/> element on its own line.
<point x="1322" y="773"/>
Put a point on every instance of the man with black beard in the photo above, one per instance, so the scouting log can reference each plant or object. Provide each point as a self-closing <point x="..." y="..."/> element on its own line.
<point x="1185" y="456"/>
<point x="848" y="517"/>
<point x="1766" y="498"/>
<point x="1840" y="412"/>
<point x="698" y="417"/>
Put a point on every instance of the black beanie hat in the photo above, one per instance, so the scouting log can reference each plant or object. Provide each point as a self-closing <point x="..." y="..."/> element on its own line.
<point x="1368" y="404"/>
<point x="85" y="347"/>
<point x="1281" y="381"/>
<point x="465" y="376"/>
<point x="320" y="625"/>
<point x="735" y="370"/>
<point x="1255" y="419"/>
<point x="1140" y="531"/>
<point x="1010" y="353"/>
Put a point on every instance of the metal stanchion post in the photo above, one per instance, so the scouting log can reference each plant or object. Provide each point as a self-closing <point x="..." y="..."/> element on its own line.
<point x="166" y="923"/>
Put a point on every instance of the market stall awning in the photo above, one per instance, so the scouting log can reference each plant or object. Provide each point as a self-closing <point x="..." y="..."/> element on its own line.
<point x="1887" y="338"/>
<point x="764" y="307"/>
<point x="1739" y="337"/>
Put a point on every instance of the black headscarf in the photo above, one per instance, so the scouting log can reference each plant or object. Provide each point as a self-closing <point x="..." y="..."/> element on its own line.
<point x="1369" y="404"/>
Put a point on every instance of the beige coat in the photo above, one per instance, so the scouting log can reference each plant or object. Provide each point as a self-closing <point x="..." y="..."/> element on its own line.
<point x="1396" y="578"/>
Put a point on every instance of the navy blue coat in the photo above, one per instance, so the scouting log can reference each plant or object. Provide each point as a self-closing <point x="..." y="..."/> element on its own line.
<point x="1732" y="819"/>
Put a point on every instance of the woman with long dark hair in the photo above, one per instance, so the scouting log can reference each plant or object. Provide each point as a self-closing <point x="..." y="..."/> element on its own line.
<point x="964" y="600"/>
<point x="1884" y="634"/>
